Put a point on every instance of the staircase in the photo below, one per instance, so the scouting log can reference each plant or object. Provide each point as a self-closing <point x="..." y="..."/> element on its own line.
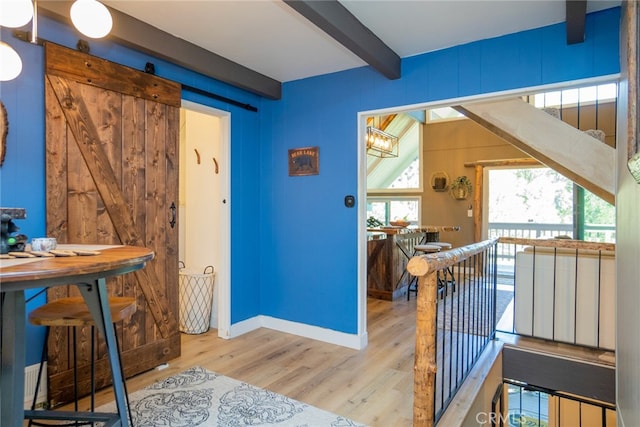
<point x="575" y="154"/>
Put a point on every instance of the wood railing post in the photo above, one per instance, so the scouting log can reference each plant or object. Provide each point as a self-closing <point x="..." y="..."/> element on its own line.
<point x="425" y="268"/>
<point x="425" y="358"/>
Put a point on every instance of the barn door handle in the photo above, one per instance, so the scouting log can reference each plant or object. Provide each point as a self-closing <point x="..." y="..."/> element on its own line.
<point x="172" y="208"/>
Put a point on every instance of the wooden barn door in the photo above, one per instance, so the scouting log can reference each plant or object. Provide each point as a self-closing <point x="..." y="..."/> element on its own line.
<point x="112" y="137"/>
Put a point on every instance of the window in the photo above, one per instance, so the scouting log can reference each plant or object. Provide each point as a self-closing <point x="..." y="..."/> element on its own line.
<point x="584" y="95"/>
<point x="386" y="209"/>
<point x="540" y="203"/>
<point x="402" y="173"/>
<point x="443" y="114"/>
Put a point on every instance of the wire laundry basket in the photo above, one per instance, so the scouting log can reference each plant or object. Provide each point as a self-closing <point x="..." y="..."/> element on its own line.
<point x="196" y="299"/>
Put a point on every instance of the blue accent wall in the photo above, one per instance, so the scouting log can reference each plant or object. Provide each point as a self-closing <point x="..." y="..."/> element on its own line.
<point x="305" y="267"/>
<point x="309" y="238"/>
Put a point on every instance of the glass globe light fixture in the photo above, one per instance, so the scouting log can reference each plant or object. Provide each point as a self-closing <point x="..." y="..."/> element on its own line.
<point x="10" y="62"/>
<point x="15" y="13"/>
<point x="91" y="18"/>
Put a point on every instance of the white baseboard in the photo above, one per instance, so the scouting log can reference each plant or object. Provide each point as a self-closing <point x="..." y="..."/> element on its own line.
<point x="30" y="380"/>
<point x="244" y="326"/>
<point x="357" y="342"/>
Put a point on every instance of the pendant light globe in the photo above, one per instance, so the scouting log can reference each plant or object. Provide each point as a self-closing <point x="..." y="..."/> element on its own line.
<point x="91" y="18"/>
<point x="15" y="13"/>
<point x="11" y="62"/>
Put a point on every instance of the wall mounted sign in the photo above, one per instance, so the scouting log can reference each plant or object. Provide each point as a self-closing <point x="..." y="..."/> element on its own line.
<point x="304" y="161"/>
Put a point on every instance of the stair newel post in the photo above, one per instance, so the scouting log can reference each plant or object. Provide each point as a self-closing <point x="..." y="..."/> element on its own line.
<point x="425" y="359"/>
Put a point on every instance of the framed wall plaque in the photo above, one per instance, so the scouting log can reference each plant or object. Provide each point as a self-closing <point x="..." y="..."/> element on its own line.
<point x="304" y="161"/>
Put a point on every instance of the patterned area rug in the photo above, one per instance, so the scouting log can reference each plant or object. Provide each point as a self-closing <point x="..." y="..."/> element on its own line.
<point x="198" y="397"/>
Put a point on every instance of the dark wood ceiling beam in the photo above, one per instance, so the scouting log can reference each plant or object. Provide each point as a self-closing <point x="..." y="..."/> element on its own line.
<point x="576" y="15"/>
<point x="334" y="19"/>
<point x="138" y="35"/>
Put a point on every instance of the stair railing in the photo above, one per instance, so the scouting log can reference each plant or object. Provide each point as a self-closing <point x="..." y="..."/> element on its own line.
<point x="455" y="320"/>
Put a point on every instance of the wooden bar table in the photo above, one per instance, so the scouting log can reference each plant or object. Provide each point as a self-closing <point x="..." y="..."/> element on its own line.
<point x="388" y="252"/>
<point x="89" y="273"/>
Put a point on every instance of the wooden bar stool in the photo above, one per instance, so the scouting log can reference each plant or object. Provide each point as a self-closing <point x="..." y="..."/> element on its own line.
<point x="445" y="246"/>
<point x="73" y="312"/>
<point x="419" y="250"/>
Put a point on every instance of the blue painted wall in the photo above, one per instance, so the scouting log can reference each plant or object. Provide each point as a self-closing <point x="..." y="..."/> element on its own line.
<point x="307" y="239"/>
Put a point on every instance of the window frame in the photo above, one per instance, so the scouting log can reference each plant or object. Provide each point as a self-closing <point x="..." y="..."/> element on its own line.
<point x="391" y="198"/>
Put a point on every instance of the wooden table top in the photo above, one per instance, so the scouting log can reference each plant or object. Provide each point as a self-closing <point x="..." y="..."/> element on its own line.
<point x="416" y="229"/>
<point x="38" y="272"/>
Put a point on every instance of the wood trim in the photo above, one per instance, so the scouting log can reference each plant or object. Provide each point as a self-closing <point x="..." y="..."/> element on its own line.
<point x="477" y="204"/>
<point x="631" y="22"/>
<point x="86" y="136"/>
<point x="479" y="187"/>
<point x="71" y="64"/>
<point x="526" y="161"/>
<point x="559" y="243"/>
<point x="631" y="17"/>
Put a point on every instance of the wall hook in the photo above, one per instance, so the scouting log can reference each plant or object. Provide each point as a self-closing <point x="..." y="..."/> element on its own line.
<point x="215" y="165"/>
<point x="198" y="155"/>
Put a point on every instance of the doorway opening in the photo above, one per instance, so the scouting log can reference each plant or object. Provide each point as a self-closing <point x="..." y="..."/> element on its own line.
<point x="203" y="211"/>
<point x="450" y="142"/>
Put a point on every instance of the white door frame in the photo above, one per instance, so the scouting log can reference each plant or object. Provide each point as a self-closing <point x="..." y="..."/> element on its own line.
<point x="223" y="271"/>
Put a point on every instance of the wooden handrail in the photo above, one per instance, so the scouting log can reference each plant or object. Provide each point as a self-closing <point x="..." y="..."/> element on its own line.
<point x="559" y="243"/>
<point x="423" y="264"/>
<point x="425" y="267"/>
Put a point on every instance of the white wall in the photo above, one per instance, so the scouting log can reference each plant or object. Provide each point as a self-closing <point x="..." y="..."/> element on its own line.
<point x="628" y="272"/>
<point x="200" y="241"/>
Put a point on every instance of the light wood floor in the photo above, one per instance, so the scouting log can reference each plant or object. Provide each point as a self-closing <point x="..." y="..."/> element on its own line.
<point x="372" y="386"/>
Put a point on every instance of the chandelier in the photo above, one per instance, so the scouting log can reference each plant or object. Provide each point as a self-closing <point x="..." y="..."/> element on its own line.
<point x="381" y="144"/>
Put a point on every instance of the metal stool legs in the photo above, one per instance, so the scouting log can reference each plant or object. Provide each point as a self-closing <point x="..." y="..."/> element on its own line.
<point x="75" y="379"/>
<point x="73" y="312"/>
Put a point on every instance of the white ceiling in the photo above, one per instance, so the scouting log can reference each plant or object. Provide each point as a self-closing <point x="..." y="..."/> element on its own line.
<point x="271" y="38"/>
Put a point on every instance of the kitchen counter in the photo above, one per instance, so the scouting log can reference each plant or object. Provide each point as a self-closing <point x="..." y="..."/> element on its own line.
<point x="376" y="235"/>
<point x="414" y="229"/>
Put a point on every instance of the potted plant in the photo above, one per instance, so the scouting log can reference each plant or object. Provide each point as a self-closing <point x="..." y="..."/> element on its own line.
<point x="461" y="187"/>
